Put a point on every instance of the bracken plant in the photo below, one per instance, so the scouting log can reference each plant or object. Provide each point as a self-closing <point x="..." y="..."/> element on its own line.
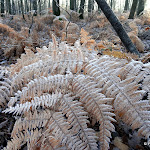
<point x="58" y="93"/>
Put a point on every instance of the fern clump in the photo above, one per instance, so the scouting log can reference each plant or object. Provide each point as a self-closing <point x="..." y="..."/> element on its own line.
<point x="57" y="96"/>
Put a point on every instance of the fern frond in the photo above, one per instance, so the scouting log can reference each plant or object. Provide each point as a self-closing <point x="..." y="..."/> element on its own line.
<point x="25" y="60"/>
<point x="5" y="87"/>
<point x="83" y="137"/>
<point x="34" y="128"/>
<point x="134" y="68"/>
<point x="60" y="129"/>
<point x="46" y="101"/>
<point x="127" y="104"/>
<point x="31" y="121"/>
<point x="72" y="61"/>
<point x="96" y="105"/>
<point x="51" y="143"/>
<point x="15" y="143"/>
<point x="42" y="85"/>
<point x="27" y="130"/>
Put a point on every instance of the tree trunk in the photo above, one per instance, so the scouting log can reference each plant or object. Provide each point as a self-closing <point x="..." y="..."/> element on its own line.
<point x="141" y="6"/>
<point x="117" y="26"/>
<point x="133" y="9"/>
<point x="44" y="4"/>
<point x="35" y="7"/>
<point x="8" y="6"/>
<point x="126" y="7"/>
<point x="13" y="8"/>
<point x="2" y="7"/>
<point x="30" y="5"/>
<point x="90" y="5"/>
<point x="49" y="4"/>
<point x="19" y="7"/>
<point x="56" y="10"/>
<point x="26" y="6"/>
<point x="73" y="4"/>
<point x="111" y="3"/>
<point x="81" y="9"/>
<point x="66" y="4"/>
<point x="39" y="7"/>
<point x="22" y="9"/>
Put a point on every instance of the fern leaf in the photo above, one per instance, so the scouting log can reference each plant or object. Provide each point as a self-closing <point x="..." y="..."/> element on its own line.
<point x="96" y="105"/>
<point x="44" y="84"/>
<point x="5" y="87"/>
<point x="126" y="105"/>
<point x="83" y="137"/>
<point x="66" y="60"/>
<point x="47" y="100"/>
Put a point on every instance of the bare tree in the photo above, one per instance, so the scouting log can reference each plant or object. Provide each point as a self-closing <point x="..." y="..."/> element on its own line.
<point x="22" y="8"/>
<point x="141" y="6"/>
<point x="2" y="7"/>
<point x="133" y="9"/>
<point x="8" y="6"/>
<point x="35" y="6"/>
<point x="111" y="3"/>
<point x="26" y="6"/>
<point x="56" y="9"/>
<point x="13" y="8"/>
<point x="30" y="5"/>
<point x="90" y="5"/>
<point x="39" y="3"/>
<point x="117" y="26"/>
<point x="49" y="4"/>
<point x="73" y="4"/>
<point x="81" y="10"/>
<point x="126" y="7"/>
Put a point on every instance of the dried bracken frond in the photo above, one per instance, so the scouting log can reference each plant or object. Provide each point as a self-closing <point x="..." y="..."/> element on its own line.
<point x="128" y="103"/>
<point x="6" y="30"/>
<point x="77" y="118"/>
<point x="84" y="36"/>
<point x="5" y="86"/>
<point x="44" y="101"/>
<point x="96" y="105"/>
<point x="57" y="91"/>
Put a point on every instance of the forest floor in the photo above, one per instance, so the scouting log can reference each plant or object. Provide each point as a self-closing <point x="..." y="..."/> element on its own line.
<point x="35" y="31"/>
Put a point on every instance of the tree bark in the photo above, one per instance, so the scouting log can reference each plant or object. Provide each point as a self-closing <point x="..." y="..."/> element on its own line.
<point x="133" y="9"/>
<point x="39" y="7"/>
<point x="141" y="6"/>
<point x="13" y="8"/>
<point x="126" y="7"/>
<point x="35" y="7"/>
<point x="44" y="4"/>
<point x="19" y="7"/>
<point x="90" y="5"/>
<point x="26" y="6"/>
<point x="9" y="6"/>
<point x="2" y="7"/>
<point x="30" y="5"/>
<point x="73" y="5"/>
<point x="81" y="10"/>
<point x="22" y="9"/>
<point x="117" y="26"/>
<point x="111" y="3"/>
<point x="56" y="10"/>
<point x="49" y="4"/>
